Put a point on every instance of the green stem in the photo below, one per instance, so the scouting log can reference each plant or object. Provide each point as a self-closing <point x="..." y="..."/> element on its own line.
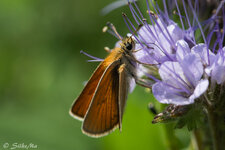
<point x="197" y="139"/>
<point x="173" y="142"/>
<point x="213" y="128"/>
<point x="216" y="117"/>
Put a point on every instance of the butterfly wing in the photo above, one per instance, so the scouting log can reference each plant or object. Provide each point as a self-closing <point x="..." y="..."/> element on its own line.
<point x="103" y="114"/>
<point x="80" y="106"/>
<point x="123" y="91"/>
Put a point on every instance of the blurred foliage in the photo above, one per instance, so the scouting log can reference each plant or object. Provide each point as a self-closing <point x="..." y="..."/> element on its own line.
<point x="42" y="72"/>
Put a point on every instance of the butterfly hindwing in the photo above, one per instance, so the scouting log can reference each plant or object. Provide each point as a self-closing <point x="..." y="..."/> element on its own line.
<point x="123" y="91"/>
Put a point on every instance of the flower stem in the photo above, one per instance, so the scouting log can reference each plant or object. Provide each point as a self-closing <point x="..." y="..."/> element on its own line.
<point x="173" y="142"/>
<point x="212" y="119"/>
<point x="216" y="118"/>
<point x="197" y="139"/>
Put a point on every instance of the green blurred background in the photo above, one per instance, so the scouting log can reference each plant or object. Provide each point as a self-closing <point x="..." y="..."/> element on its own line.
<point x="42" y="72"/>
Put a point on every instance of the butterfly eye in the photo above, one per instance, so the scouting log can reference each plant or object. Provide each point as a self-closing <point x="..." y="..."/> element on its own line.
<point x="129" y="46"/>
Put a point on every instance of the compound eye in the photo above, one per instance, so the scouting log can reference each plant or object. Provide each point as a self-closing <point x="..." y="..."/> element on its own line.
<point x="129" y="46"/>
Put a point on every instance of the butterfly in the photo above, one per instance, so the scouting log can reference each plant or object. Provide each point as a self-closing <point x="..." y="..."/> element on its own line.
<point x="101" y="103"/>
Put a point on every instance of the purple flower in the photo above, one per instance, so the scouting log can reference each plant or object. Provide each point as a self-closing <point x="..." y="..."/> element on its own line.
<point x="185" y="66"/>
<point x="217" y="69"/>
<point x="181" y="80"/>
<point x="153" y="36"/>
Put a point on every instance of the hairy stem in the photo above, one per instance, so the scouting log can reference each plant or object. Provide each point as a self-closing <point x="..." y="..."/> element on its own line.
<point x="173" y="141"/>
<point x="197" y="139"/>
<point x="212" y="118"/>
<point x="216" y="118"/>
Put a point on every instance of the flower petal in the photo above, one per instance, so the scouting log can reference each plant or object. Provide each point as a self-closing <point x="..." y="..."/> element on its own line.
<point x="202" y="51"/>
<point x="175" y="33"/>
<point x="167" y="95"/>
<point x="132" y="85"/>
<point x="218" y="74"/>
<point x="145" y="33"/>
<point x="171" y="73"/>
<point x="192" y="68"/>
<point x="182" y="50"/>
<point x="199" y="90"/>
<point x="217" y="69"/>
<point x="145" y="55"/>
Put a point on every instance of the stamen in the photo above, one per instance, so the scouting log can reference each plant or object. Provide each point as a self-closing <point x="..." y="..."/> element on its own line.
<point x="177" y="89"/>
<point x="181" y="80"/>
<point x="138" y="9"/>
<point x="150" y="35"/>
<point x="147" y="43"/>
<point x="181" y="20"/>
<point x="215" y="44"/>
<point x="153" y="25"/>
<point x="165" y="18"/>
<point x="219" y="37"/>
<point x="200" y="27"/>
<point x="185" y="10"/>
<point x="171" y="41"/>
<point x="219" y="7"/>
<point x="165" y="9"/>
<point x="209" y="37"/>
<point x="150" y="17"/>
<point x="132" y="11"/>
<point x="196" y="10"/>
<point x="166" y="53"/>
<point x="223" y="33"/>
<point x="165" y="27"/>
<point x="140" y="18"/>
<point x="153" y="6"/>
<point x="127" y="19"/>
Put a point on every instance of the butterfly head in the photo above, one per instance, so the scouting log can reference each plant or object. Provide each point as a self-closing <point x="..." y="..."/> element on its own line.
<point x="128" y="44"/>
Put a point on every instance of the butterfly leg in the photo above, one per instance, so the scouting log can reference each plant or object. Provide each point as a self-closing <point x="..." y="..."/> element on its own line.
<point x="137" y="61"/>
<point x="143" y="83"/>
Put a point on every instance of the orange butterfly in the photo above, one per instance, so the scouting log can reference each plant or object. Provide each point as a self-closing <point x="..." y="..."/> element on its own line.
<point x="101" y="103"/>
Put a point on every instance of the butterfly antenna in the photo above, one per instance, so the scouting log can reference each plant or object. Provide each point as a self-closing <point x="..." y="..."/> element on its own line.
<point x="110" y="25"/>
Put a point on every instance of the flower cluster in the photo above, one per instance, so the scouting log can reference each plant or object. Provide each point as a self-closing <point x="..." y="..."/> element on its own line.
<point x="187" y="68"/>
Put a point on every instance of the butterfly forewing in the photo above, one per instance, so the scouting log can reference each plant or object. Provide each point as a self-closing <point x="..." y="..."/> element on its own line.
<point x="82" y="103"/>
<point x="103" y="113"/>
